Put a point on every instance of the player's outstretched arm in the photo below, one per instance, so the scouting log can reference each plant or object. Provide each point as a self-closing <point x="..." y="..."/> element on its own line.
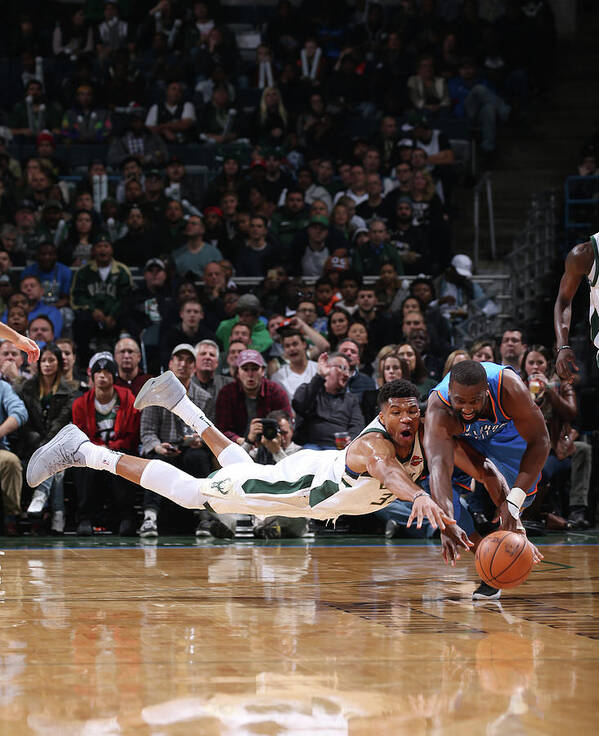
<point x="440" y="426"/>
<point x="530" y="424"/>
<point x="578" y="264"/>
<point x="377" y="455"/>
<point x="23" y="343"/>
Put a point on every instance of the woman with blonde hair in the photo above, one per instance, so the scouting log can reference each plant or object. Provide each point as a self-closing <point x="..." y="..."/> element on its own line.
<point x="272" y="121"/>
<point x="484" y="351"/>
<point x="385" y="351"/>
<point x="426" y="203"/>
<point x="390" y="368"/>
<point x="456" y="356"/>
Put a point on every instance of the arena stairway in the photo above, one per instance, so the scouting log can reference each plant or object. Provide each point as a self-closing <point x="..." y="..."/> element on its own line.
<point x="539" y="156"/>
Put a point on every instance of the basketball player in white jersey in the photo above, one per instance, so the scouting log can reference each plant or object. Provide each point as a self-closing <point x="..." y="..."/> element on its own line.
<point x="582" y="260"/>
<point x="381" y="464"/>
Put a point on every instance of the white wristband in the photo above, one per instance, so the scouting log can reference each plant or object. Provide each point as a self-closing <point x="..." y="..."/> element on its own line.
<point x="515" y="499"/>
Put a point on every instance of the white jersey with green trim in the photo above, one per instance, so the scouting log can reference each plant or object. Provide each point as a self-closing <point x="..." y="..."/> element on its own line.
<point x="309" y="483"/>
<point x="594" y="293"/>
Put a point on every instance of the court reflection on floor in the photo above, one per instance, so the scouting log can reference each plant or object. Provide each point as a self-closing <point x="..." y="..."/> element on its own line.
<point x="247" y="640"/>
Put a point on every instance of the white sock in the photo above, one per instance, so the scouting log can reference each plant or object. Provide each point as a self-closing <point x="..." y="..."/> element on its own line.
<point x="99" y="457"/>
<point x="150" y="514"/>
<point x="173" y="484"/>
<point x="192" y="415"/>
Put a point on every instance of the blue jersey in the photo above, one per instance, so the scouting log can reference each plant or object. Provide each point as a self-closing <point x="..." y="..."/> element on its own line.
<point x="497" y="437"/>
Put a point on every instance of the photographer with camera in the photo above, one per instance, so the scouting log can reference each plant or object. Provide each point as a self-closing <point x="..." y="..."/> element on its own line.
<point x="276" y="443"/>
<point x="240" y="410"/>
<point x="165" y="436"/>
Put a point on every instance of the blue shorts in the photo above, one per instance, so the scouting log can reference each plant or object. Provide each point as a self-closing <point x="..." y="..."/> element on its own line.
<point x="506" y="456"/>
<point x="460" y="483"/>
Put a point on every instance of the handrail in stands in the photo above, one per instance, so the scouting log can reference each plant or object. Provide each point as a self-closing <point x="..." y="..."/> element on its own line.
<point x="484" y="183"/>
<point x="533" y="257"/>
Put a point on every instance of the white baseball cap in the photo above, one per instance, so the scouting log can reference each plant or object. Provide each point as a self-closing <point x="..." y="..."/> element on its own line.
<point x="463" y="265"/>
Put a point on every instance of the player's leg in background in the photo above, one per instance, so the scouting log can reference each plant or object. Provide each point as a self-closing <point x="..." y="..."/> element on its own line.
<point x="167" y="391"/>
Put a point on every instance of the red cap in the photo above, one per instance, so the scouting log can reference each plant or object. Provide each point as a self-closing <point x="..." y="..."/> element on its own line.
<point x="45" y="135"/>
<point x="250" y="356"/>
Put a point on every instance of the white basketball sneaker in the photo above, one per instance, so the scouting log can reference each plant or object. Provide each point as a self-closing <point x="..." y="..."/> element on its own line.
<point x="166" y="391"/>
<point x="38" y="502"/>
<point x="60" y="453"/>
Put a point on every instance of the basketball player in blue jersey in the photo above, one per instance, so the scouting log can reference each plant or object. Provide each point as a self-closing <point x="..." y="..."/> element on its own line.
<point x="582" y="261"/>
<point x="488" y="408"/>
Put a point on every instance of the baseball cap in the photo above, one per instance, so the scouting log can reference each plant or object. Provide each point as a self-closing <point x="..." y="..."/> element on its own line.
<point x="319" y="220"/>
<point x="463" y="265"/>
<point x="102" y="238"/>
<point x="26" y="204"/>
<point x="250" y="356"/>
<point x="44" y="135"/>
<point x="155" y="262"/>
<point x="52" y="204"/>
<point x="154" y="173"/>
<point x="419" y="119"/>
<point x="258" y="162"/>
<point x="183" y="347"/>
<point x="248" y="301"/>
<point x="5" y="279"/>
<point x="103" y="361"/>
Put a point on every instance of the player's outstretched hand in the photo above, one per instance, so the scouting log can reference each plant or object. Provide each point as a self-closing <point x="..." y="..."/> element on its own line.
<point x="424" y="507"/>
<point x="449" y="549"/>
<point x="536" y="554"/>
<point x="30" y="347"/>
<point x="565" y="365"/>
<point x="452" y="539"/>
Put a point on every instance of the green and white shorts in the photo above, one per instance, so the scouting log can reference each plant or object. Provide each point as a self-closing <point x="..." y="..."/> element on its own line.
<point x="309" y="483"/>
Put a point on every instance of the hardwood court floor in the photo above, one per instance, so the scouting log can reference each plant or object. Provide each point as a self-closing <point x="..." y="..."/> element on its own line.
<point x="348" y="638"/>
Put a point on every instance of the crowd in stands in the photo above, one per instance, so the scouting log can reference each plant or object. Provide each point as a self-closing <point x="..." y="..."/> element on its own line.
<point x="330" y="181"/>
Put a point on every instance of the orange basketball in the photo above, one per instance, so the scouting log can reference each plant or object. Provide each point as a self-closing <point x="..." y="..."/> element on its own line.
<point x="504" y="559"/>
